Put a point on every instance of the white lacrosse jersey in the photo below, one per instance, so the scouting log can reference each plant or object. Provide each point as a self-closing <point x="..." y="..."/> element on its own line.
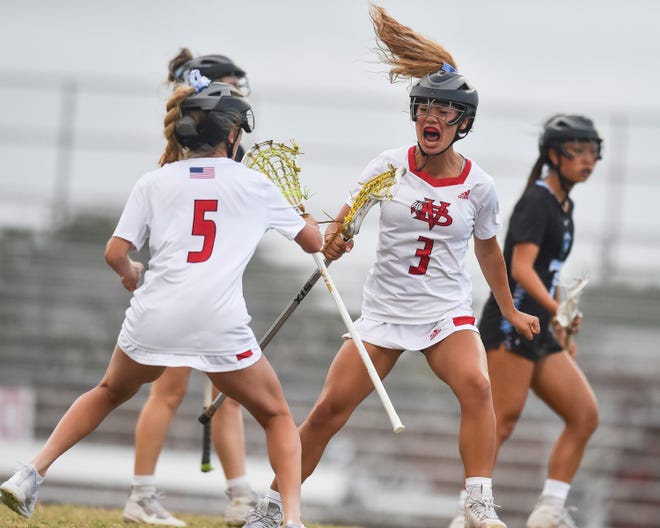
<point x="204" y="218"/>
<point x="419" y="274"/>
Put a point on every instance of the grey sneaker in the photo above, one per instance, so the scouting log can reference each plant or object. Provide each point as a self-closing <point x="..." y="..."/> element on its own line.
<point x="480" y="513"/>
<point x="550" y="513"/>
<point x="148" y="510"/>
<point x="266" y="515"/>
<point x="240" y="503"/>
<point x="291" y="524"/>
<point x="20" y="492"/>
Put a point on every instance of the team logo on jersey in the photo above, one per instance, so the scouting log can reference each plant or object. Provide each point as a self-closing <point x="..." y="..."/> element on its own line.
<point x="464" y="195"/>
<point x="431" y="213"/>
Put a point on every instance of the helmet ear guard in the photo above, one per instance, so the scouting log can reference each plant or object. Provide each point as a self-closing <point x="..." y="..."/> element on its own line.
<point x="223" y="110"/>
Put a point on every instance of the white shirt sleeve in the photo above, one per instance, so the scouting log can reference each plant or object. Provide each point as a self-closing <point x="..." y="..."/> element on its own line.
<point x="133" y="223"/>
<point x="281" y="215"/>
<point x="488" y="222"/>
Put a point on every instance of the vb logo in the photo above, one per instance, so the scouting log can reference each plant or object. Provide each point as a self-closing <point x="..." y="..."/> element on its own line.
<point x="431" y="213"/>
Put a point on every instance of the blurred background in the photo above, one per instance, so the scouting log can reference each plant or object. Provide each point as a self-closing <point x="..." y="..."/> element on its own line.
<point x="82" y="97"/>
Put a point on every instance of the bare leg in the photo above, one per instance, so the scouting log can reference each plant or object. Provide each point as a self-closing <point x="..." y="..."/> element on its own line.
<point x="510" y="378"/>
<point x="258" y="389"/>
<point x="154" y="421"/>
<point x="460" y="361"/>
<point x="346" y="386"/>
<point x="122" y="379"/>
<point x="560" y="383"/>
<point x="229" y="438"/>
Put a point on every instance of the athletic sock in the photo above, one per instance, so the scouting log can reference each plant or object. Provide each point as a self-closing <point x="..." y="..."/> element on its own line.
<point x="144" y="485"/>
<point x="556" y="490"/>
<point x="274" y="496"/>
<point x="239" y="486"/>
<point x="479" y="487"/>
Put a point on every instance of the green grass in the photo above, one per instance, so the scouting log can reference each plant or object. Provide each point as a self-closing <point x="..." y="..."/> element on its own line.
<point x="71" y="516"/>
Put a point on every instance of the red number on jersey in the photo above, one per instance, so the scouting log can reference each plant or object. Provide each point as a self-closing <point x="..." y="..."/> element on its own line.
<point x="424" y="255"/>
<point x="205" y="228"/>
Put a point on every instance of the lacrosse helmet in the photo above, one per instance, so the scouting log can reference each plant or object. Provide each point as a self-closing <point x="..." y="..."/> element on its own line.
<point x="449" y="86"/>
<point x="215" y="67"/>
<point x="224" y="111"/>
<point x="561" y="128"/>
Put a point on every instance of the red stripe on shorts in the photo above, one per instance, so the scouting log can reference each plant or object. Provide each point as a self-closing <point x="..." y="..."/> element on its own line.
<point x="244" y="355"/>
<point x="463" y="320"/>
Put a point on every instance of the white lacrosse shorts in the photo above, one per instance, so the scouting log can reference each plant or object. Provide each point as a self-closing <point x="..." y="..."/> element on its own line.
<point x="412" y="337"/>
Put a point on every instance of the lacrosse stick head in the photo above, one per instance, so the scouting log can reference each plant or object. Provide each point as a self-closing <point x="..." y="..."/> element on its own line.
<point x="279" y="162"/>
<point x="569" y="295"/>
<point x="381" y="187"/>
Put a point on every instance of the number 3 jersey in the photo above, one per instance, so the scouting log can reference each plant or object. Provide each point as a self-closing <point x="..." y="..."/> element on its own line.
<point x="204" y="218"/>
<point x="424" y="231"/>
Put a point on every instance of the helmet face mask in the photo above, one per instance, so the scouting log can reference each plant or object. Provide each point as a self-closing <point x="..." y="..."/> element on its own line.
<point x="448" y="112"/>
<point x="577" y="148"/>
<point x="449" y="89"/>
<point x="562" y="131"/>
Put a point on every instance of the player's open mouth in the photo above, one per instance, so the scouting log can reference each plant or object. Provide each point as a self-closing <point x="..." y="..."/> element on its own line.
<point x="431" y="134"/>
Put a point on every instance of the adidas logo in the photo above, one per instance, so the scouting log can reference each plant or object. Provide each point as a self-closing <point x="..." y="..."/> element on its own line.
<point x="464" y="195"/>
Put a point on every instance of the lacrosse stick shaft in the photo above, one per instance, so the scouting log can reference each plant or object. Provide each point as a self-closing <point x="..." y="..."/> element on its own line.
<point x="206" y="434"/>
<point x="397" y="426"/>
<point x="210" y="409"/>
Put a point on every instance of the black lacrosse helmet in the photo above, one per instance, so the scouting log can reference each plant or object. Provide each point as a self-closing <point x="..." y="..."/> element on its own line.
<point x="561" y="128"/>
<point x="225" y="110"/>
<point x="449" y="86"/>
<point x="214" y="67"/>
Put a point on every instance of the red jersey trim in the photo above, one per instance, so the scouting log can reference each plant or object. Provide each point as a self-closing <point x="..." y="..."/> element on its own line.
<point x="244" y="355"/>
<point x="437" y="182"/>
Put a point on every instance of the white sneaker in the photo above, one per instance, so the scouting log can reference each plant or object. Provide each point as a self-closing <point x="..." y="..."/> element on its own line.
<point x="458" y="521"/>
<point x="480" y="513"/>
<point x="266" y="515"/>
<point x="239" y="506"/>
<point x="20" y="492"/>
<point x="291" y="524"/>
<point x="148" y="510"/>
<point x="550" y="513"/>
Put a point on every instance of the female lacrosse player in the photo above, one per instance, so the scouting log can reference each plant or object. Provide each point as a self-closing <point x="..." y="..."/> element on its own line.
<point x="418" y="294"/>
<point x="204" y="215"/>
<point x="167" y="392"/>
<point x="538" y="241"/>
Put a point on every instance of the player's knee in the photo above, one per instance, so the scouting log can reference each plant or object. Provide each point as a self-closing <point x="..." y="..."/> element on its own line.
<point x="329" y="415"/>
<point x="586" y="421"/>
<point x="506" y="423"/>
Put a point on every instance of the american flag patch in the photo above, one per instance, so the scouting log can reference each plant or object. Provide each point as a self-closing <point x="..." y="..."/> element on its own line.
<point x="202" y="173"/>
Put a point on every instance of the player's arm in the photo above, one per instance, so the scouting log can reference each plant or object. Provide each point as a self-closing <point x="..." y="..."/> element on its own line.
<point x="309" y="238"/>
<point x="491" y="261"/>
<point x="116" y="255"/>
<point x="522" y="270"/>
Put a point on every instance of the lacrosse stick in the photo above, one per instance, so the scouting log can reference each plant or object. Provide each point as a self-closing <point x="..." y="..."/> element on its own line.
<point x="206" y="436"/>
<point x="282" y="160"/>
<point x="568" y="310"/>
<point x="377" y="188"/>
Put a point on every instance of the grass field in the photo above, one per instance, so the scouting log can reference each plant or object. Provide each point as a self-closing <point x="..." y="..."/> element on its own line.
<point x="71" y="516"/>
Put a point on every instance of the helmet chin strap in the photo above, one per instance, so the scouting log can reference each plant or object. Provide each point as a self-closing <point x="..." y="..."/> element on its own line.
<point x="564" y="182"/>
